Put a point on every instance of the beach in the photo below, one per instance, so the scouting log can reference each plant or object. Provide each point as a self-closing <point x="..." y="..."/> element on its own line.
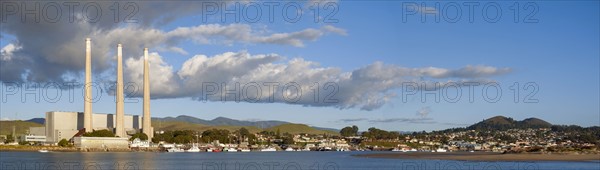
<point x="486" y="156"/>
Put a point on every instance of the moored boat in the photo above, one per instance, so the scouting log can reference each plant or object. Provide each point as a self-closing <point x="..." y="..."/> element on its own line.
<point x="268" y="149"/>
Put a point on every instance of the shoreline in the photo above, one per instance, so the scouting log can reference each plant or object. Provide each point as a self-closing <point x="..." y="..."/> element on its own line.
<point x="486" y="156"/>
<point x="13" y="148"/>
<point x="457" y="156"/>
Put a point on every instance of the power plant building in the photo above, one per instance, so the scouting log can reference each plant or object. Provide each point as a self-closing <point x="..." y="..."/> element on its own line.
<point x="67" y="125"/>
<point x="64" y="125"/>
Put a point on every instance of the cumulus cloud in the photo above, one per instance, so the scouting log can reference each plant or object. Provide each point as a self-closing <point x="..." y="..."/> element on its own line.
<point x="50" y="51"/>
<point x="50" y="58"/>
<point x="161" y="76"/>
<point x="270" y="78"/>
<point x="53" y="52"/>
<point x="6" y="53"/>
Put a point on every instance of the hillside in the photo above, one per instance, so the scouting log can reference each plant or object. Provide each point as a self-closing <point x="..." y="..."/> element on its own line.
<point x="22" y="127"/>
<point x="299" y="128"/>
<point x="222" y="121"/>
<point x="289" y="128"/>
<point x="37" y="120"/>
<point x="184" y="122"/>
<point x="503" y="123"/>
<point x="179" y="125"/>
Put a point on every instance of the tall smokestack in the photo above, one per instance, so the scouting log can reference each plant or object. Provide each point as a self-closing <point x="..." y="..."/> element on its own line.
<point x="87" y="107"/>
<point x="120" y="130"/>
<point x="146" y="127"/>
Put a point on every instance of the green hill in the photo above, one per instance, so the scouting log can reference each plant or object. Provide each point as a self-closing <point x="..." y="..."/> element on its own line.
<point x="22" y="127"/>
<point x="299" y="128"/>
<point x="289" y="127"/>
<point x="179" y="125"/>
<point x="503" y="123"/>
<point x="176" y="125"/>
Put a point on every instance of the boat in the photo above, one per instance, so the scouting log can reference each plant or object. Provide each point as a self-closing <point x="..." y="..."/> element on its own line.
<point x="268" y="149"/>
<point x="245" y="150"/>
<point x="440" y="150"/>
<point x="289" y="149"/>
<point x="209" y="150"/>
<point x="194" y="148"/>
<point x="325" y="149"/>
<point x="343" y="150"/>
<point x="396" y="150"/>
<point x="175" y="149"/>
<point x="229" y="150"/>
<point x="43" y="150"/>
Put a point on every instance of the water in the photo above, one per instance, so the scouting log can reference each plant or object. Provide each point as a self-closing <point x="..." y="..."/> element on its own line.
<point x="252" y="161"/>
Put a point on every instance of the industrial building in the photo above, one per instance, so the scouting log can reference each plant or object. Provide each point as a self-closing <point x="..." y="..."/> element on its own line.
<point x="70" y="125"/>
<point x="64" y="125"/>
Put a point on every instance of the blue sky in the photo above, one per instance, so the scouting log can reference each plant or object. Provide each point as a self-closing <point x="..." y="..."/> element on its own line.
<point x="559" y="54"/>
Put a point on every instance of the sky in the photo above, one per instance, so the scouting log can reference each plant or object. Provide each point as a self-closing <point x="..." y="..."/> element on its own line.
<point x="340" y="63"/>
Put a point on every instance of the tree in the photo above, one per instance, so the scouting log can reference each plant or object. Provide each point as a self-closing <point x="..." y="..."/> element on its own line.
<point x="346" y="131"/>
<point x="63" y="143"/>
<point x="142" y="136"/>
<point x="349" y="131"/>
<point x="244" y="132"/>
<point x="9" y="139"/>
<point x="99" y="133"/>
<point x="183" y="139"/>
<point x="215" y="134"/>
<point x="378" y="134"/>
<point x="288" y="139"/>
<point x="252" y="139"/>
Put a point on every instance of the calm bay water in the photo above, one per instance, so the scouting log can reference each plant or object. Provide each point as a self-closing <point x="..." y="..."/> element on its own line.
<point x="253" y="161"/>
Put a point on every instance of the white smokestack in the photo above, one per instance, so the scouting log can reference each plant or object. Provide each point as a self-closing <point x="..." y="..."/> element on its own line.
<point x="119" y="129"/>
<point x="87" y="107"/>
<point x="146" y="127"/>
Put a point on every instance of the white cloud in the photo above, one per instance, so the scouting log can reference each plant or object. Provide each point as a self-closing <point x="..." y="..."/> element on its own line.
<point x="40" y="62"/>
<point x="366" y="88"/>
<point x="333" y="29"/>
<point x="6" y="53"/>
<point x="162" y="79"/>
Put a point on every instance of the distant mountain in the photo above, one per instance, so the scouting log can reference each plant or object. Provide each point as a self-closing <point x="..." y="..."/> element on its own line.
<point x="37" y="120"/>
<point x="222" y="121"/>
<point x="326" y="129"/>
<point x="503" y="123"/>
<point x="188" y="122"/>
